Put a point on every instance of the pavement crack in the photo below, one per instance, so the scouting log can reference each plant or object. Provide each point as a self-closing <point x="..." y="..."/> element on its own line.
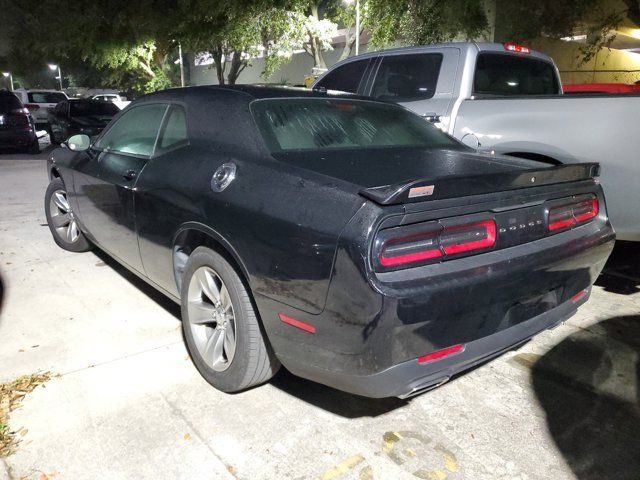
<point x="124" y="357"/>
<point x="177" y="412"/>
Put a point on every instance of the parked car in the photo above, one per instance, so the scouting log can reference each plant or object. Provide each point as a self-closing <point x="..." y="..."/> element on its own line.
<point x="38" y="102"/>
<point x="17" y="131"/>
<point x="115" y="98"/>
<point x="345" y="238"/>
<point x="506" y="98"/>
<point x="71" y="117"/>
<point x="601" y="88"/>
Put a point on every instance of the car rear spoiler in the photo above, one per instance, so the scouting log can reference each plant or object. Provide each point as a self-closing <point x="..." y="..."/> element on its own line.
<point x="456" y="186"/>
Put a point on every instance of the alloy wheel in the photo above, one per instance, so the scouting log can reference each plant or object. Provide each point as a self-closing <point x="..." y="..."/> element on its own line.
<point x="62" y="217"/>
<point x="211" y="318"/>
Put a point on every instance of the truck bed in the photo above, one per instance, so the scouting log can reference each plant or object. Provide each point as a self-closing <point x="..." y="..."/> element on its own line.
<point x="567" y="129"/>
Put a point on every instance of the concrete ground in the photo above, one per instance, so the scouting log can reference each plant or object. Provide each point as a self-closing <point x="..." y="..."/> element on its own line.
<point x="128" y="404"/>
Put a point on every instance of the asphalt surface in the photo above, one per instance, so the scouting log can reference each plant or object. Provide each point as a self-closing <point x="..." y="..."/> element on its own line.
<point x="128" y="404"/>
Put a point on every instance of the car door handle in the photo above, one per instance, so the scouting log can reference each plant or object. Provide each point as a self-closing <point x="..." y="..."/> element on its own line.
<point x="129" y="174"/>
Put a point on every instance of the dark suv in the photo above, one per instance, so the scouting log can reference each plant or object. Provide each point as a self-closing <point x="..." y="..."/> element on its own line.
<point x="17" y="131"/>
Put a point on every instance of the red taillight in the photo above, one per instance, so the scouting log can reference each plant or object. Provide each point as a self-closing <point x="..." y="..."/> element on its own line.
<point x="514" y="47"/>
<point x="435" y="241"/>
<point x="32" y="106"/>
<point x="439" y="354"/>
<point x="297" y="323"/>
<point x="466" y="238"/>
<point x="410" y="249"/>
<point x="566" y="216"/>
<point x="579" y="295"/>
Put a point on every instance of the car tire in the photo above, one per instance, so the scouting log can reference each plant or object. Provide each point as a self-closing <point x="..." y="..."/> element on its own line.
<point x="226" y="342"/>
<point x="61" y="220"/>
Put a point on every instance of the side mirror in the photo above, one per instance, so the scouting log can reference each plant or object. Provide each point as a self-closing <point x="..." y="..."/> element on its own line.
<point x="79" y="143"/>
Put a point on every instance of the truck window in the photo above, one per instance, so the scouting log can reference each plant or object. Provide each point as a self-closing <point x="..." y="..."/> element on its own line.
<point x="345" y="78"/>
<point x="500" y="74"/>
<point x="406" y="78"/>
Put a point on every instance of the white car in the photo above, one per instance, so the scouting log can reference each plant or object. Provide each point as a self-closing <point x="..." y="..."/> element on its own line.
<point x="118" y="100"/>
<point x="39" y="101"/>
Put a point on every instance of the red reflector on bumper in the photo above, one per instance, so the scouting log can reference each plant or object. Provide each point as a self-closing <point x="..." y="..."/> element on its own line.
<point x="439" y="354"/>
<point x="297" y="323"/>
<point x="579" y="295"/>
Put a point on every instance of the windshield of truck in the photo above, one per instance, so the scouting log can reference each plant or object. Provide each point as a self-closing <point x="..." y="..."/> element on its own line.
<point x="505" y="74"/>
<point x="322" y="124"/>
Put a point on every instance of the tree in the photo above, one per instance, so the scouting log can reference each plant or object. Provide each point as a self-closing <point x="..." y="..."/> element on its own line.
<point x="418" y="22"/>
<point x="598" y="19"/>
<point x="124" y="41"/>
<point x="312" y="26"/>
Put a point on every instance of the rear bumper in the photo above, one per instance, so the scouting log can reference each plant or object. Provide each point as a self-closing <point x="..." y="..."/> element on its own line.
<point x="17" y="139"/>
<point x="411" y="378"/>
<point x="373" y="329"/>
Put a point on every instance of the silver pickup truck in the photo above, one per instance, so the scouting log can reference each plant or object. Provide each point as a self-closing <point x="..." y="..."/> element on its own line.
<point x="508" y="99"/>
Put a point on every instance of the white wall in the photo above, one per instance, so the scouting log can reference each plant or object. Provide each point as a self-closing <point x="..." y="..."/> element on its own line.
<point x="291" y="73"/>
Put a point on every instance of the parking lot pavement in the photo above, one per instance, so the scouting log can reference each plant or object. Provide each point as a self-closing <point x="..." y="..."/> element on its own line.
<point x="128" y="404"/>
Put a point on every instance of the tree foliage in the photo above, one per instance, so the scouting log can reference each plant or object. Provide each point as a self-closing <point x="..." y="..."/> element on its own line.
<point x="598" y="19"/>
<point x="133" y="44"/>
<point x="418" y="22"/>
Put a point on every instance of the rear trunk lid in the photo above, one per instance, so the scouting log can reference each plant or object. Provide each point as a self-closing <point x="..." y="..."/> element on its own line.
<point x="391" y="176"/>
<point x="437" y="205"/>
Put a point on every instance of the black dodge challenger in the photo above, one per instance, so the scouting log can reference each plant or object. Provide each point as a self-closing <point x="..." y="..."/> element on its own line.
<point x="345" y="238"/>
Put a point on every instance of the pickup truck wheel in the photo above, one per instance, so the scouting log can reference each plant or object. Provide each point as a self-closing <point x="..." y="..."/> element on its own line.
<point x="223" y="335"/>
<point x="62" y="221"/>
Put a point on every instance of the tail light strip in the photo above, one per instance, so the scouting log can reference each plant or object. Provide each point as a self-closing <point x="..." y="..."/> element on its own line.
<point x="437" y="241"/>
<point x="419" y="244"/>
<point x="569" y="215"/>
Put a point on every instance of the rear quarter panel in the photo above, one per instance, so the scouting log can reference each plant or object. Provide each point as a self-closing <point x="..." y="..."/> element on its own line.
<point x="281" y="223"/>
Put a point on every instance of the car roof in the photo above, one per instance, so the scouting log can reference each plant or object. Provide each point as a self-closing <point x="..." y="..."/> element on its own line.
<point x="36" y="90"/>
<point x="253" y="91"/>
<point x="9" y="101"/>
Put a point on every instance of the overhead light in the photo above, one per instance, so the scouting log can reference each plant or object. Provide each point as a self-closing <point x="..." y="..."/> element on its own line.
<point x="53" y="66"/>
<point x="5" y="74"/>
<point x="574" y="38"/>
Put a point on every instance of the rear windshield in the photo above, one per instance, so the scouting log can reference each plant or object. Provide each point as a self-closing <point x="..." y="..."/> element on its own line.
<point x="46" y="97"/>
<point x="93" y="108"/>
<point x="503" y="74"/>
<point x="324" y="124"/>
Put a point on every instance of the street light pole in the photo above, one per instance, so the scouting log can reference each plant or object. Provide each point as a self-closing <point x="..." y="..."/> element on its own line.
<point x="181" y="65"/>
<point x="357" y="26"/>
<point x="10" y="76"/>
<point x="54" y="67"/>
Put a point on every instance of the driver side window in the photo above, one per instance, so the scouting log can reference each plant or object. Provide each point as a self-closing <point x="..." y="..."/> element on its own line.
<point x="135" y="132"/>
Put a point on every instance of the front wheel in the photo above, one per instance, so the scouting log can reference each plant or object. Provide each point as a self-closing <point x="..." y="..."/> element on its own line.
<point x="62" y="220"/>
<point x="221" y="330"/>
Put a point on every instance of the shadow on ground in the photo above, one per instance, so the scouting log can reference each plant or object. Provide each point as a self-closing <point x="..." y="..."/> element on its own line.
<point x="334" y="401"/>
<point x="155" y="295"/>
<point x="621" y="274"/>
<point x="589" y="387"/>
